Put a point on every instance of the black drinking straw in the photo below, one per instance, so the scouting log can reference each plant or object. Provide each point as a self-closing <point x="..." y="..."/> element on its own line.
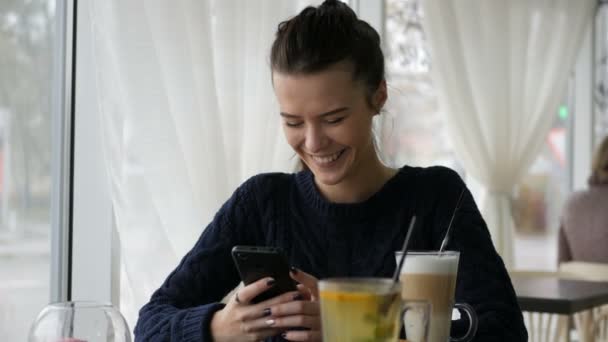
<point x="446" y="238"/>
<point x="404" y="250"/>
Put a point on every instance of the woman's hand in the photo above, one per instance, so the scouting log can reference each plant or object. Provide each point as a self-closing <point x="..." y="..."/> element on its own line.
<point x="241" y="321"/>
<point x="304" y="315"/>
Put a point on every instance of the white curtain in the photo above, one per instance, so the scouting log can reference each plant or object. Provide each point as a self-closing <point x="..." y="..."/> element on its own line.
<point x="501" y="68"/>
<point x="188" y="113"/>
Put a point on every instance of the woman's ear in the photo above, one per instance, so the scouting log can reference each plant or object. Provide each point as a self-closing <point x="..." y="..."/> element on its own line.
<point x="380" y="96"/>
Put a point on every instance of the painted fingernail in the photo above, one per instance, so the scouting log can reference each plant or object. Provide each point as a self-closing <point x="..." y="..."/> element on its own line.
<point x="270" y="282"/>
<point x="266" y="312"/>
<point x="270" y="322"/>
<point x="284" y="335"/>
<point x="293" y="270"/>
<point x="298" y="296"/>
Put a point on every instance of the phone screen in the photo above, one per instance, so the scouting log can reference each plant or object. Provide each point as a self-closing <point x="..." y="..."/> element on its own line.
<point x="255" y="262"/>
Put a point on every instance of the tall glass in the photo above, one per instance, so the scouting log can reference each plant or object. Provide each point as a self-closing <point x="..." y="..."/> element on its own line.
<point x="432" y="277"/>
<point x="79" y="322"/>
<point x="360" y="309"/>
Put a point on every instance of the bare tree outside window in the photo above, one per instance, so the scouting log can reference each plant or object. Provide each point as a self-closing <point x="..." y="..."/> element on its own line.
<point x="27" y="39"/>
<point x="414" y="131"/>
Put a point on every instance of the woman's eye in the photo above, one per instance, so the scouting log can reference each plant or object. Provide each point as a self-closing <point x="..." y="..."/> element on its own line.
<point x="293" y="124"/>
<point x="334" y="121"/>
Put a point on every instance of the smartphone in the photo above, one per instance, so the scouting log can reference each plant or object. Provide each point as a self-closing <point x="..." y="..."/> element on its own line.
<point x="256" y="262"/>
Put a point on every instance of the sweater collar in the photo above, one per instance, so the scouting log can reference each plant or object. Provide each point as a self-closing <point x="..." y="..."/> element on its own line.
<point x="388" y="193"/>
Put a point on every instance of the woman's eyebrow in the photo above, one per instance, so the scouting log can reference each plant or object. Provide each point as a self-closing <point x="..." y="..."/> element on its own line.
<point x="334" y="111"/>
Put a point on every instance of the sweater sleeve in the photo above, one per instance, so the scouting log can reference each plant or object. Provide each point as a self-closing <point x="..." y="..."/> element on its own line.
<point x="483" y="281"/>
<point x="182" y="308"/>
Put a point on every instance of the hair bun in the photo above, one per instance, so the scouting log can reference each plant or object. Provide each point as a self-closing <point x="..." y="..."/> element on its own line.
<point x="339" y="12"/>
<point x="335" y="5"/>
<point x="330" y="3"/>
<point x="319" y="37"/>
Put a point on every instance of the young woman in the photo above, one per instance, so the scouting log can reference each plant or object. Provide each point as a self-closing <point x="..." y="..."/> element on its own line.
<point x="345" y="214"/>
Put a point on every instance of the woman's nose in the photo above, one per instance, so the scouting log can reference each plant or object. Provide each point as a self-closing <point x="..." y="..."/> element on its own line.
<point x="315" y="139"/>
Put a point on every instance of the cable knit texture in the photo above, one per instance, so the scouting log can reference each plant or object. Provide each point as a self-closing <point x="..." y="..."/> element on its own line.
<point x="328" y="240"/>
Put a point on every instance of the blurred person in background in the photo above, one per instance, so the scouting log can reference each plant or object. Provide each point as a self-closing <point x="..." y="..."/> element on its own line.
<point x="583" y="234"/>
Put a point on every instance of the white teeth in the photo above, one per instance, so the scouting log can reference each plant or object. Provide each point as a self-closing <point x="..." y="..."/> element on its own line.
<point x="326" y="159"/>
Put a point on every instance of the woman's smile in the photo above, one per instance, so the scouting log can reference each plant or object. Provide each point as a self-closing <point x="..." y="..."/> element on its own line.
<point x="327" y="160"/>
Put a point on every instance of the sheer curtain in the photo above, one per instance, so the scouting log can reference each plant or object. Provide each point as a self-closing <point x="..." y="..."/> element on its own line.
<point x="188" y="113"/>
<point x="500" y="68"/>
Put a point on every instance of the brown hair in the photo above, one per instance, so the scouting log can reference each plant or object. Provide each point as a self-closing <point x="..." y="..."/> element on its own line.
<point x="321" y="36"/>
<point x="599" y="168"/>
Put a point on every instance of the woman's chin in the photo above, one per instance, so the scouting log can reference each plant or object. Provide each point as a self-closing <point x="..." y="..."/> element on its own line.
<point x="328" y="181"/>
<point x="329" y="177"/>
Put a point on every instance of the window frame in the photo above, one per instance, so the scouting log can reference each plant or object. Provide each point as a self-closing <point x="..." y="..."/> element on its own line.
<point x="95" y="247"/>
<point x="581" y="131"/>
<point x="94" y="268"/>
<point x="61" y="150"/>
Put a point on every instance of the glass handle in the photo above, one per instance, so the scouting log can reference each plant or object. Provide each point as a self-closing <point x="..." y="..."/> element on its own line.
<point x="415" y="318"/>
<point x="472" y="322"/>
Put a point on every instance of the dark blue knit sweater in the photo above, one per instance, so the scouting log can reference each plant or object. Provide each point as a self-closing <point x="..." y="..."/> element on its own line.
<point x="328" y="240"/>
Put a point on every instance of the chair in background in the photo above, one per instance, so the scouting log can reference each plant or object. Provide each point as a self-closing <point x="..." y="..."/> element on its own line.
<point x="592" y="325"/>
<point x="541" y="326"/>
<point x="546" y="327"/>
<point x="601" y="324"/>
<point x="590" y="271"/>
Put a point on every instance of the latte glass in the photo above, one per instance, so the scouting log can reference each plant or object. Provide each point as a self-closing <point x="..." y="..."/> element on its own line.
<point x="430" y="276"/>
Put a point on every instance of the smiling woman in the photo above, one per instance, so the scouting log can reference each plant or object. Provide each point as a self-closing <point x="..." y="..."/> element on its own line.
<point x="332" y="91"/>
<point x="332" y="132"/>
<point x="343" y="216"/>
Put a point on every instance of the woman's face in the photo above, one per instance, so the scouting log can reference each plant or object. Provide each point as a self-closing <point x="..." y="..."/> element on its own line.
<point x="328" y="121"/>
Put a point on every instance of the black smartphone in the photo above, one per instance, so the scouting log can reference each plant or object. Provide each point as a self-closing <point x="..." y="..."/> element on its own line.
<point x="256" y="262"/>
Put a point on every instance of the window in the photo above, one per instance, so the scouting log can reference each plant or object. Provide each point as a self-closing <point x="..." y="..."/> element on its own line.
<point x="27" y="48"/>
<point x="540" y="196"/>
<point x="415" y="133"/>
